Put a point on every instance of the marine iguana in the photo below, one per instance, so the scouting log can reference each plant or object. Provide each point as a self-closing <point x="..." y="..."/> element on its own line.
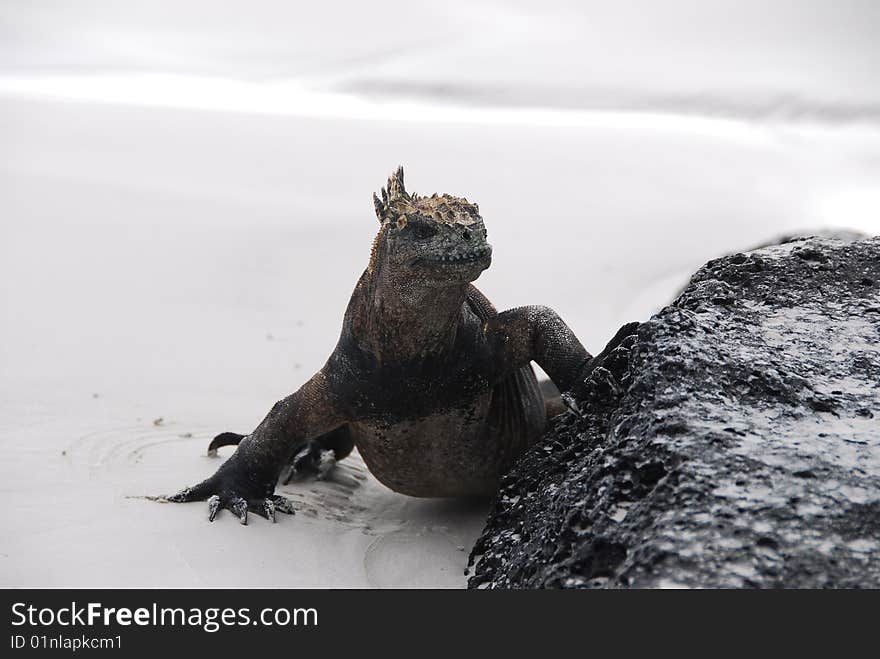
<point x="431" y="384"/>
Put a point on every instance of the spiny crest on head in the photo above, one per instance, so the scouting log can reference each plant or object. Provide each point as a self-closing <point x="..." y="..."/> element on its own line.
<point x="393" y="192"/>
<point x="396" y="203"/>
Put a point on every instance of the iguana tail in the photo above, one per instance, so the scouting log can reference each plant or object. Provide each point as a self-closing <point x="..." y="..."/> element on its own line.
<point x="224" y="439"/>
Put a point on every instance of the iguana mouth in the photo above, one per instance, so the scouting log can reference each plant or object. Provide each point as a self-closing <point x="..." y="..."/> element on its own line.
<point x="470" y="256"/>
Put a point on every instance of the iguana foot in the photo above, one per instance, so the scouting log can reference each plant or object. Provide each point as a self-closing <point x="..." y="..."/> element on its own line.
<point x="226" y="489"/>
<point x="312" y="458"/>
<point x="606" y="373"/>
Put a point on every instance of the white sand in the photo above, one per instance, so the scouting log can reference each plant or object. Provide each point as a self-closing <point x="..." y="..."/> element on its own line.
<point x="194" y="266"/>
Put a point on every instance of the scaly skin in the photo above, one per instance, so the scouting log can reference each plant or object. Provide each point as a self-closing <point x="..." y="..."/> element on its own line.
<point x="433" y="386"/>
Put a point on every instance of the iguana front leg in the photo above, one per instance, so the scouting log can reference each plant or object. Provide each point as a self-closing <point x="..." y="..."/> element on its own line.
<point x="538" y="334"/>
<point x="246" y="481"/>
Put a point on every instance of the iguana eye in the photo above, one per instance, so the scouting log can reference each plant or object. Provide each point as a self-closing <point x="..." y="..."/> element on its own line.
<point x="423" y="231"/>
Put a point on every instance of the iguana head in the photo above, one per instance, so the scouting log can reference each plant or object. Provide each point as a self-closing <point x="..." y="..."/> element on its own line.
<point x="439" y="239"/>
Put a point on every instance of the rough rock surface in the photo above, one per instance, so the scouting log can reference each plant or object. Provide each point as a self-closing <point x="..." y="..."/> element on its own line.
<point x="743" y="448"/>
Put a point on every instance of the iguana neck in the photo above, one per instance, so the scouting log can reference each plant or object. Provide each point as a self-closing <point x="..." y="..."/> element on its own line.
<point x="402" y="320"/>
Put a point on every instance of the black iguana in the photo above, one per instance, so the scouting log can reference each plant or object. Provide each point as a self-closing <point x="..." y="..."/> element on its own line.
<point x="431" y="384"/>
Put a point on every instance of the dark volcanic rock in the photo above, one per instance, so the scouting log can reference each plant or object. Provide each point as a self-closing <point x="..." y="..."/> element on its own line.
<point x="743" y="449"/>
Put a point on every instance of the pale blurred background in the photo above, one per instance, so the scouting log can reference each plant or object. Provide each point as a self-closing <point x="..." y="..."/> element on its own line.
<point x="185" y="192"/>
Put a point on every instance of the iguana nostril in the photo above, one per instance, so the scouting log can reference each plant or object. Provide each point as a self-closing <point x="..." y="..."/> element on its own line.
<point x="466" y="234"/>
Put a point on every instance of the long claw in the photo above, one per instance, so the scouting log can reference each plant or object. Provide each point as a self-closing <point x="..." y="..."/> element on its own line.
<point x="213" y="507"/>
<point x="283" y="505"/>
<point x="621" y="337"/>
<point x="258" y="507"/>
<point x="628" y="330"/>
<point x="269" y="507"/>
<point x="240" y="508"/>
